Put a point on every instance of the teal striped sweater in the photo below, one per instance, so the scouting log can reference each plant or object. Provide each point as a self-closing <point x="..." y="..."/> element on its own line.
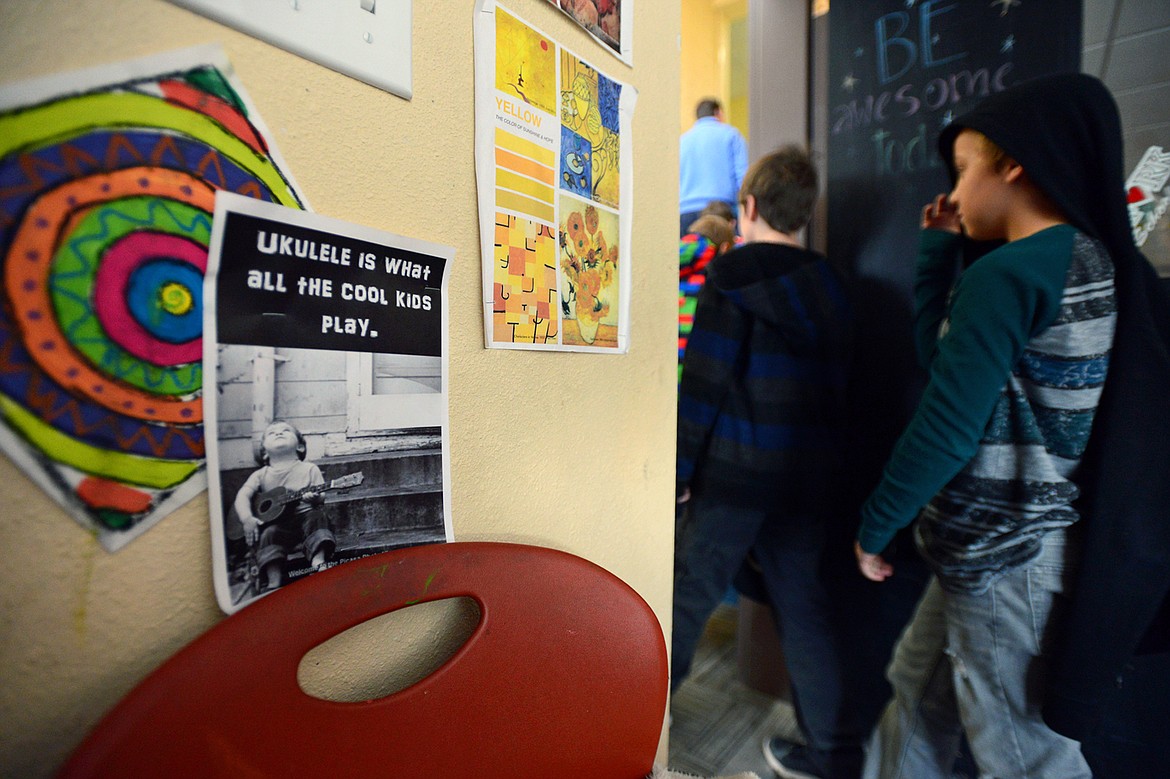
<point x="1017" y="352"/>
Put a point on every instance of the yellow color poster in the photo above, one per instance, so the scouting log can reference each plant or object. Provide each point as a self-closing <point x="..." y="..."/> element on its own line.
<point x="554" y="183"/>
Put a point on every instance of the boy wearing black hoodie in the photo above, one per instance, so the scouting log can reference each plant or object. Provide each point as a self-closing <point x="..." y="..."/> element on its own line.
<point x="760" y="444"/>
<point x="1019" y="347"/>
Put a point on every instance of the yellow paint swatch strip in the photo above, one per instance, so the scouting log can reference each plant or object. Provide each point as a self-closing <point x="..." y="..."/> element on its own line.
<point x="519" y="145"/>
<point x="524" y="205"/>
<point x="524" y="186"/>
<point x="506" y="159"/>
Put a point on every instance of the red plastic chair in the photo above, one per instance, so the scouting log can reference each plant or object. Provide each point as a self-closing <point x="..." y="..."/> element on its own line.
<point x="564" y="676"/>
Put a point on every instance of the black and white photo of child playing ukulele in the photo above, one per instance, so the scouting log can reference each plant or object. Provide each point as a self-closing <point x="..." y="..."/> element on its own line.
<point x="282" y="506"/>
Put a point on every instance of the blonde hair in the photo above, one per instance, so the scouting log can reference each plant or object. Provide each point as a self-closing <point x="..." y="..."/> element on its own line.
<point x="718" y="208"/>
<point x="713" y="228"/>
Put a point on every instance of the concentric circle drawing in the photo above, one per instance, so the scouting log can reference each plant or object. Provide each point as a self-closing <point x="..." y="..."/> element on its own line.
<point x="52" y="320"/>
<point x="149" y="297"/>
<point x="106" y="201"/>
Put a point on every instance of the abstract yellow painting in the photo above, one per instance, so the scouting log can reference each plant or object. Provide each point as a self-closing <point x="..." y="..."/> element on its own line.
<point x="525" y="63"/>
<point x="525" y="281"/>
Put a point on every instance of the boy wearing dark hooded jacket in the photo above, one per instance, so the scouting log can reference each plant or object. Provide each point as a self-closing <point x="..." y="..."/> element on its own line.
<point x="1019" y="349"/>
<point x="760" y="443"/>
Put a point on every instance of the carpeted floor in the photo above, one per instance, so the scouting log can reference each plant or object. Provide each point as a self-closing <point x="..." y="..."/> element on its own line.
<point x="719" y="723"/>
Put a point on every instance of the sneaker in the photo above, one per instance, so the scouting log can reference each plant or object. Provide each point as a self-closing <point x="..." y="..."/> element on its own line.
<point x="789" y="760"/>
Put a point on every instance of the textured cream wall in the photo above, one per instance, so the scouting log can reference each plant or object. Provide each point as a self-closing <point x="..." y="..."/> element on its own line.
<point x="569" y="451"/>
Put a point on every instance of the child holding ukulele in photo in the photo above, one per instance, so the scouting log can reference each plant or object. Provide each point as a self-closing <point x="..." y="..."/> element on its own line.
<point x="291" y="511"/>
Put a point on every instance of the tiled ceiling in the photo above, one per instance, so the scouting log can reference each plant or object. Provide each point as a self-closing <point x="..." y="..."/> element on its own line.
<point x="1126" y="44"/>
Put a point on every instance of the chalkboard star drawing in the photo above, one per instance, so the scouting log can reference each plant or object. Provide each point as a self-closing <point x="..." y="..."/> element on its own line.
<point x="859" y="52"/>
<point x="947" y="118"/>
<point x="1009" y="44"/>
<point x="1005" y="5"/>
<point x="848" y="83"/>
<point x="909" y="3"/>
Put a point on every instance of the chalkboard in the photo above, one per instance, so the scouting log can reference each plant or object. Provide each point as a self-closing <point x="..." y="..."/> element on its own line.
<point x="899" y="72"/>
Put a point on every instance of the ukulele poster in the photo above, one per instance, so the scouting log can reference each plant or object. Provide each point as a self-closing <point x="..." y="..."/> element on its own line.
<point x="327" y="423"/>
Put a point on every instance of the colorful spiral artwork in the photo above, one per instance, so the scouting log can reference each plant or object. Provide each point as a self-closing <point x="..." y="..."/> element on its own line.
<point x="106" y="202"/>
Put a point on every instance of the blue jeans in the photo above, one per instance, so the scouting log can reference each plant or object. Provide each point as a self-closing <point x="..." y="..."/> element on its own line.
<point x="686" y="220"/>
<point x="975" y="665"/>
<point x="789" y="550"/>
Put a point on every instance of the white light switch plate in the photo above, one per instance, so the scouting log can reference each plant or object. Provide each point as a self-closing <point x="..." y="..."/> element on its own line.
<point x="366" y="39"/>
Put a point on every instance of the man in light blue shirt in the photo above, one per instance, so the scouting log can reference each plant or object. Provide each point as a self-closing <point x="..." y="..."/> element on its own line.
<point x="712" y="161"/>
